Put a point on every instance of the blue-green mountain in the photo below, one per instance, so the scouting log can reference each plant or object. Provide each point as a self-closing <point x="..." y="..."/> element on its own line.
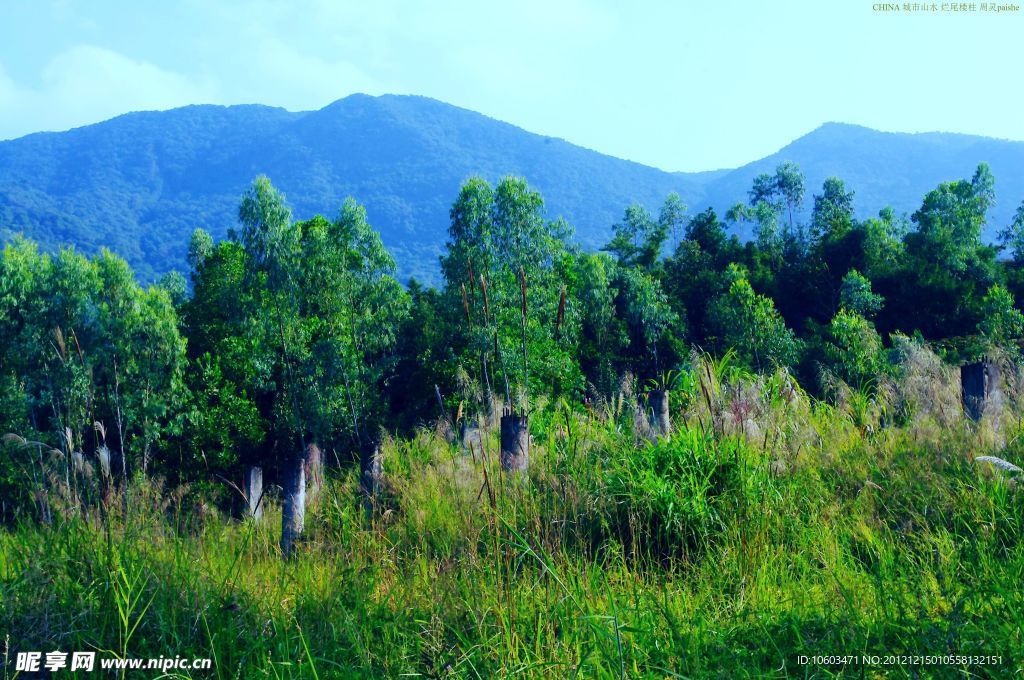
<point x="141" y="182"/>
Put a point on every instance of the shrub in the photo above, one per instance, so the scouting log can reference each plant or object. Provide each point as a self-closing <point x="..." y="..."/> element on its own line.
<point x="853" y="350"/>
<point x="663" y="500"/>
<point x="750" y="324"/>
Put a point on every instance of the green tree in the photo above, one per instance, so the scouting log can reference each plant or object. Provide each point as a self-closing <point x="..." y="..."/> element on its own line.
<point x="648" y="317"/>
<point x="471" y="246"/>
<point x="707" y="232"/>
<point x="176" y="286"/>
<point x="1001" y="323"/>
<point x="771" y="194"/>
<point x="694" y="274"/>
<point x="638" y="238"/>
<point x="855" y="295"/>
<point x="950" y="221"/>
<point x="1013" y="235"/>
<point x="227" y="419"/>
<point x="352" y="309"/>
<point x="789" y="181"/>
<point x="603" y="339"/>
<point x="425" y="357"/>
<point x="495" y="235"/>
<point x="317" y="310"/>
<point x="144" y="349"/>
<point x="832" y="218"/>
<point x="748" y="323"/>
<point x="853" y="349"/>
<point x="947" y="268"/>
<point x="878" y="245"/>
<point x="88" y="345"/>
<point x="672" y="217"/>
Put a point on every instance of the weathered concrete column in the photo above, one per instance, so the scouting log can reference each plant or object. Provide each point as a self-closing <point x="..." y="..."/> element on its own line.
<point x="371" y="473"/>
<point x="978" y="381"/>
<point x="293" y="514"/>
<point x="658" y="401"/>
<point x="314" y="472"/>
<point x="515" y="442"/>
<point x="254" y="491"/>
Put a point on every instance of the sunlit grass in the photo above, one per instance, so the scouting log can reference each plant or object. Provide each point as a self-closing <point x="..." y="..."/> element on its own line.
<point x="719" y="553"/>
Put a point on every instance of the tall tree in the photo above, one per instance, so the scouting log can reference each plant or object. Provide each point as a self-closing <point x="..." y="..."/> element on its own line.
<point x="672" y="218"/>
<point x="499" y="240"/>
<point x="1002" y="324"/>
<point x="322" y="307"/>
<point x="948" y="267"/>
<point x="832" y="217"/>
<point x="748" y="323"/>
<point x="789" y="181"/>
<point x="1013" y="235"/>
<point x="638" y="238"/>
<point x="855" y="295"/>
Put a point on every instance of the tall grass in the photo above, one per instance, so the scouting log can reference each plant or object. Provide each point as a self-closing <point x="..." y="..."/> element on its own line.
<point x="770" y="526"/>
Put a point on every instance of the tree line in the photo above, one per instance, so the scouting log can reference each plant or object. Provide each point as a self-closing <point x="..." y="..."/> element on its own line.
<point x="293" y="338"/>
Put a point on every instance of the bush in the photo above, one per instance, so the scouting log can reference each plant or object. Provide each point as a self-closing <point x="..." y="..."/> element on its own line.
<point x="853" y="350"/>
<point x="665" y="500"/>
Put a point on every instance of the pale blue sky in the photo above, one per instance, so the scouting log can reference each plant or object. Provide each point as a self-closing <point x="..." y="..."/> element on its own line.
<point x="681" y="85"/>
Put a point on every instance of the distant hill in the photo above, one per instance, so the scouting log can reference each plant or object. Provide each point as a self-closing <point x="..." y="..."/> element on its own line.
<point x="141" y="182"/>
<point x="887" y="168"/>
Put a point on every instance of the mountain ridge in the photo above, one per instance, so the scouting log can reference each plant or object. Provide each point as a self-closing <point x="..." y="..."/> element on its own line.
<point x="140" y="182"/>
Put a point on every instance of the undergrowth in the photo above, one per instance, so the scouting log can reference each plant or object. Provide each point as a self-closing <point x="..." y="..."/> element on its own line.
<point x="769" y="526"/>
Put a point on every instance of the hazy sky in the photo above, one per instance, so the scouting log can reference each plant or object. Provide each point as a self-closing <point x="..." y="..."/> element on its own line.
<point x="682" y="85"/>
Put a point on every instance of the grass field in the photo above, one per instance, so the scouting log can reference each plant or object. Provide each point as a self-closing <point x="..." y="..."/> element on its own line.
<point x="770" y="526"/>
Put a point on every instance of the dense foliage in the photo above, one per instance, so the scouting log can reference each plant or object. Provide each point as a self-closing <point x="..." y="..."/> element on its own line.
<point x="718" y="553"/>
<point x="799" y="368"/>
<point x="296" y="331"/>
<point x="141" y="183"/>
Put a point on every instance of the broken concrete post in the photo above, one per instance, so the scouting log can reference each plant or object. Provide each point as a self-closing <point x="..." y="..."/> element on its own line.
<point x="658" y="401"/>
<point x="254" y="491"/>
<point x="314" y="472"/>
<point x="515" y="442"/>
<point x="293" y="514"/>
<point x="371" y="473"/>
<point x="978" y="382"/>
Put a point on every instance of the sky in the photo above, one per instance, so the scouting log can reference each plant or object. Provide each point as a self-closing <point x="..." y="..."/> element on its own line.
<point x="678" y="84"/>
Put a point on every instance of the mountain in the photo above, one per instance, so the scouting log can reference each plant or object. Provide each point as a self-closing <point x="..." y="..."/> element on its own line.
<point x="887" y="169"/>
<point x="141" y="182"/>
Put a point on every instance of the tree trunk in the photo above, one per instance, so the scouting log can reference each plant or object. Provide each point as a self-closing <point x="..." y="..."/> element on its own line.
<point x="314" y="472"/>
<point x="254" y="491"/>
<point x="515" y="442"/>
<point x="371" y="474"/>
<point x="978" y="381"/>
<point x="293" y="515"/>
<point x="658" y="401"/>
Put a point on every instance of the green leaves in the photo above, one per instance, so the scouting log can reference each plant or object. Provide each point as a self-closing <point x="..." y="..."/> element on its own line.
<point x="1001" y="323"/>
<point x="833" y="211"/>
<point x="352" y="309"/>
<point x="1013" y="235"/>
<point x="855" y="295"/>
<point x="853" y="349"/>
<point x="270" y="239"/>
<point x="495" y="234"/>
<point x="639" y="238"/>
<point x="749" y="323"/>
<point x="950" y="220"/>
<point x="769" y="196"/>
<point x="89" y="345"/>
<point x="645" y="309"/>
